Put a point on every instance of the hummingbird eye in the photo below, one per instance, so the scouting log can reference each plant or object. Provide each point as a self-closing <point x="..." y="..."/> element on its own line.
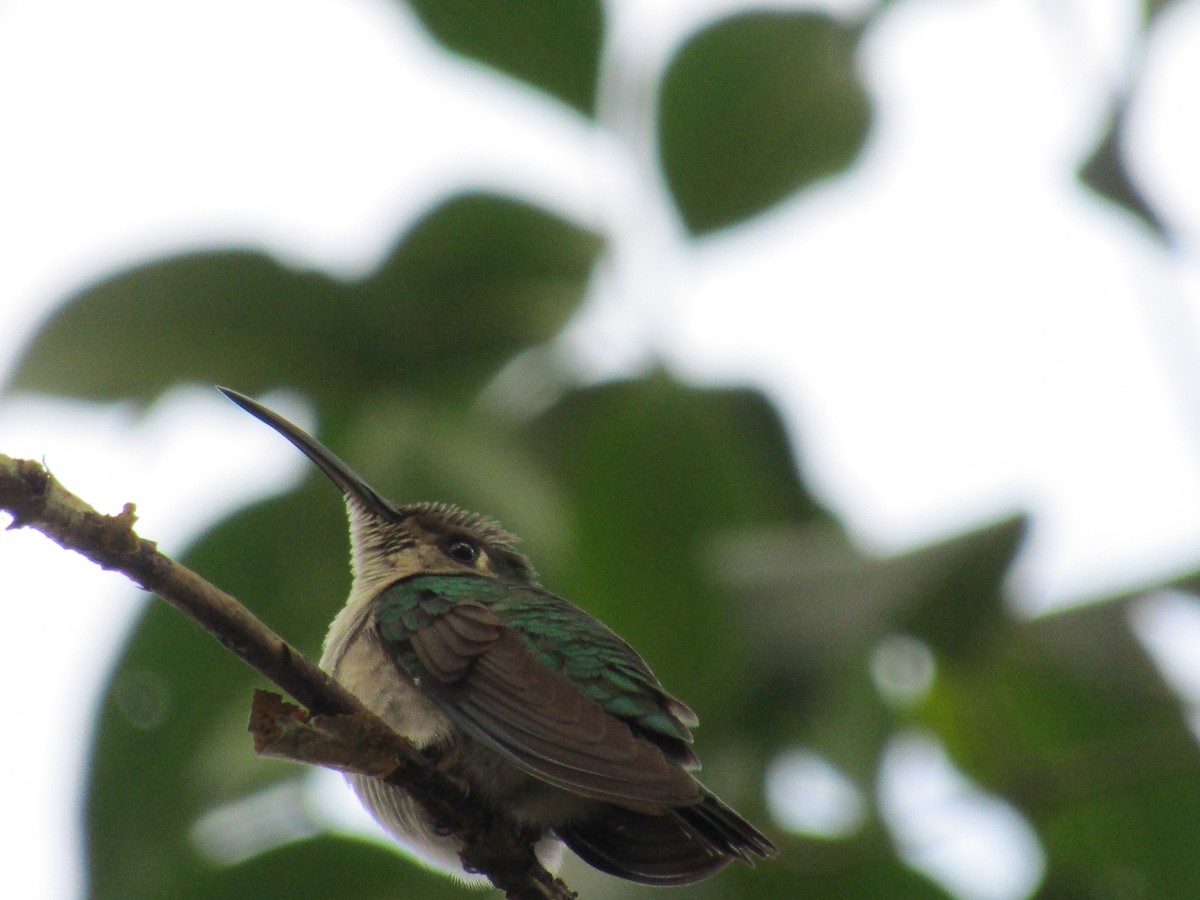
<point x="463" y="551"/>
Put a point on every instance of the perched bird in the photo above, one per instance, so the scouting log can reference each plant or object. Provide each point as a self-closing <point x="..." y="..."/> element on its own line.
<point x="549" y="717"/>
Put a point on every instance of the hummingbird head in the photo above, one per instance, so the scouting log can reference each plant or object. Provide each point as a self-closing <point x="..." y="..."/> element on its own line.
<point x="389" y="542"/>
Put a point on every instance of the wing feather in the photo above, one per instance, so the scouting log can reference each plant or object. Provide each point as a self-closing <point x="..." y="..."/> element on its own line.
<point x="488" y="680"/>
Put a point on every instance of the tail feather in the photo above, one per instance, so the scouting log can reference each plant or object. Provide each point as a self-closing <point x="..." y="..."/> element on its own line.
<point x="681" y="846"/>
<point x="721" y="827"/>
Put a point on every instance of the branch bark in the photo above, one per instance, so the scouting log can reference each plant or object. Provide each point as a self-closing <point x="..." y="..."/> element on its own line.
<point x="335" y="729"/>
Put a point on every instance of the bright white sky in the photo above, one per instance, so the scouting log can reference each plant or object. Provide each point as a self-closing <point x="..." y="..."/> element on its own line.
<point x="954" y="330"/>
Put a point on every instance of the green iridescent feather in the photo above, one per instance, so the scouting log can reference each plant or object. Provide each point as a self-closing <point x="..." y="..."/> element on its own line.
<point x="562" y="636"/>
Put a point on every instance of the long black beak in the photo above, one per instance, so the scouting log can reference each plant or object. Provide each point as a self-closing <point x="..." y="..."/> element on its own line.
<point x="327" y="461"/>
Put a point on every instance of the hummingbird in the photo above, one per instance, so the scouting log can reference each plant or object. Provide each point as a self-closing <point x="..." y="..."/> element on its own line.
<point x="550" y="719"/>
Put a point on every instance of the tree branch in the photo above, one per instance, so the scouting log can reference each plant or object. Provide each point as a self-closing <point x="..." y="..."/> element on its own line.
<point x="336" y="731"/>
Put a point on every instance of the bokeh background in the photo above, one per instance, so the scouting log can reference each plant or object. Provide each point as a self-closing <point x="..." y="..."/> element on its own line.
<point x="842" y="356"/>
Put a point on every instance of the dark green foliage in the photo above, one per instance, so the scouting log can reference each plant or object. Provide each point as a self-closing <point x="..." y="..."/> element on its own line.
<point x="177" y="702"/>
<point x="1107" y="173"/>
<point x="1068" y="718"/>
<point x="756" y="107"/>
<point x="1152" y="10"/>
<point x="675" y="514"/>
<point x="487" y="275"/>
<point x="552" y="44"/>
<point x="320" y="867"/>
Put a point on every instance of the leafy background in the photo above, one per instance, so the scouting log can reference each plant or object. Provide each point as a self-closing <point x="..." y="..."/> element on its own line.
<point x="675" y="512"/>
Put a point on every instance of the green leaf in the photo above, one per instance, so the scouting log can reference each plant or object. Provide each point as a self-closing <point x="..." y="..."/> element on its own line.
<point x="171" y="741"/>
<point x="959" y="604"/>
<point x="323" y="867"/>
<point x="1068" y="718"/>
<point x="552" y="44"/>
<point x="755" y="107"/>
<point x="472" y="283"/>
<point x="1152" y="11"/>
<point x="864" y="868"/>
<point x="815" y="610"/>
<point x="809" y="589"/>
<point x="1107" y="173"/>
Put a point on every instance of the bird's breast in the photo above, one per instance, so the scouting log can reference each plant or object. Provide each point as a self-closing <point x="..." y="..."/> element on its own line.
<point x="354" y="655"/>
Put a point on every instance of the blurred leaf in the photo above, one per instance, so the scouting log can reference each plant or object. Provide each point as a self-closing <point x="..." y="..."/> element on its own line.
<point x="812" y="595"/>
<point x="755" y="107"/>
<point x="474" y="282"/>
<point x="321" y="867"/>
<point x="552" y="44"/>
<point x="170" y="742"/>
<point x="961" y="604"/>
<point x="863" y="869"/>
<point x="1107" y="173"/>
<point x="1152" y="10"/>
<point x="1068" y="718"/>
<point x="1042" y="712"/>
<point x="816" y="610"/>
